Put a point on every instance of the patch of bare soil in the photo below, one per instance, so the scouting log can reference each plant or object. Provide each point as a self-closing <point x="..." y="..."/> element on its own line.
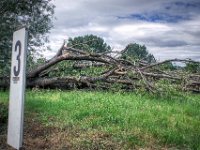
<point x="40" y="137"/>
<point x="36" y="137"/>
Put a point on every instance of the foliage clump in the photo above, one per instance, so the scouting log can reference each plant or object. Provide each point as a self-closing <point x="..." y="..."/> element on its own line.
<point x="134" y="51"/>
<point x="90" y="43"/>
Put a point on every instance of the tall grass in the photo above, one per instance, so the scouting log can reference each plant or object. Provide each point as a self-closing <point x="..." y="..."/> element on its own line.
<point x="131" y="119"/>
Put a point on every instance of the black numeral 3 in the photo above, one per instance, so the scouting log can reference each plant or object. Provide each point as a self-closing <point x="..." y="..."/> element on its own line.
<point x="17" y="47"/>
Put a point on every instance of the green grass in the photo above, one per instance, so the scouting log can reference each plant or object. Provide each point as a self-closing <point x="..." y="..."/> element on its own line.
<point x="132" y="120"/>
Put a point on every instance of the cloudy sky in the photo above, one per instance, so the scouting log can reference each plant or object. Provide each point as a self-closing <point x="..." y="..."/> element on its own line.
<point x="168" y="28"/>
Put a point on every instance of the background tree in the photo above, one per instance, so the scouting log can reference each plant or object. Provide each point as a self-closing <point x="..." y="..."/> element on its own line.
<point x="91" y="43"/>
<point x="36" y="15"/>
<point x="135" y="51"/>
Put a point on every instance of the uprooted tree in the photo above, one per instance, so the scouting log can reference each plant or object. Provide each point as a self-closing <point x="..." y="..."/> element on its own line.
<point x="111" y="71"/>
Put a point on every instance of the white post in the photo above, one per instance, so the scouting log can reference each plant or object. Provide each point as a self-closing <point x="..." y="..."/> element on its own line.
<point x="17" y="89"/>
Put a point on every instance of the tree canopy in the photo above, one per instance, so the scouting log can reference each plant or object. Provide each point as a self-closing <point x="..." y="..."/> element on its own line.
<point x="35" y="15"/>
<point x="134" y="51"/>
<point x="91" y="43"/>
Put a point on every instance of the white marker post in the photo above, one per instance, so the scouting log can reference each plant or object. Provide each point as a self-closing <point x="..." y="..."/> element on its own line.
<point x="17" y="89"/>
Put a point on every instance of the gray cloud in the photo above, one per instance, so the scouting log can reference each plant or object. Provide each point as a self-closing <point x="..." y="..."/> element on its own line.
<point x="164" y="38"/>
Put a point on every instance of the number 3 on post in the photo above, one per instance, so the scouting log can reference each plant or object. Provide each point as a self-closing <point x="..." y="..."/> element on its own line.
<point x="19" y="46"/>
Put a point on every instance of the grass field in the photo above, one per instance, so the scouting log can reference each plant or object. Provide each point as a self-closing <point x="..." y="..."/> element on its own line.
<point x="107" y="120"/>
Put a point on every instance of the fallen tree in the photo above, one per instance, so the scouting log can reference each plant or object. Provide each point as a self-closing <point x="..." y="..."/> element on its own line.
<point x="126" y="74"/>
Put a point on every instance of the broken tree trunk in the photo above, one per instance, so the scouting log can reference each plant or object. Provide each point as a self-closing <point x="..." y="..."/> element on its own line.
<point x="124" y="73"/>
